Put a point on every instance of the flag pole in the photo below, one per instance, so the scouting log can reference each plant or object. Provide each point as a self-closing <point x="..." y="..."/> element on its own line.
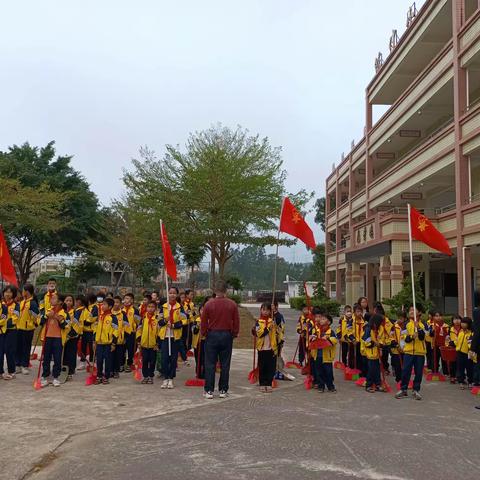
<point x="276" y="257"/>
<point x="410" y="244"/>
<point x="166" y="289"/>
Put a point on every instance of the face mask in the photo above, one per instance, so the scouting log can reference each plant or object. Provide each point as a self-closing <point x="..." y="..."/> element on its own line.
<point x="99" y="299"/>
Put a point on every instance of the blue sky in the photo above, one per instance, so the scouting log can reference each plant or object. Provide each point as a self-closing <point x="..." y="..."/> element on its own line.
<point x="104" y="78"/>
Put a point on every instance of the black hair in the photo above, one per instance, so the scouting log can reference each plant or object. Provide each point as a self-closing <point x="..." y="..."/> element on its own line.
<point x="82" y="299"/>
<point x="146" y="294"/>
<point x="51" y="279"/>
<point x="375" y="321"/>
<point x="130" y="295"/>
<point x="359" y="301"/>
<point x="101" y="295"/>
<point x="188" y="291"/>
<point x="92" y="298"/>
<point x="28" y="287"/>
<point x="109" y="301"/>
<point x="468" y="321"/>
<point x="357" y="306"/>
<point x="318" y="311"/>
<point x="378" y="308"/>
<point x="347" y="306"/>
<point x="329" y="318"/>
<point x="174" y="287"/>
<point x="304" y="305"/>
<point x="457" y="316"/>
<point x="266" y="306"/>
<point x="207" y="298"/>
<point x="117" y="297"/>
<point x="12" y="288"/>
<point x="152" y="302"/>
<point x="401" y="314"/>
<point x="148" y="297"/>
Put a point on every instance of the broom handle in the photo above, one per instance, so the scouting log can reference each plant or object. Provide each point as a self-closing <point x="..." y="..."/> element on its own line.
<point x="43" y="349"/>
<point x="296" y="349"/>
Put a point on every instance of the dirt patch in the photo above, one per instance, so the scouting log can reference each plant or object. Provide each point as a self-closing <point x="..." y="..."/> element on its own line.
<point x="244" y="339"/>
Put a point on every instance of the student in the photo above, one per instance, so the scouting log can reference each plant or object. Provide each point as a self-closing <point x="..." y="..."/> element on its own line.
<point x="279" y="320"/>
<point x="198" y="344"/>
<point x="70" y="335"/>
<point x="373" y="338"/>
<point x="13" y="312"/>
<point x="142" y="309"/>
<point x="363" y="302"/>
<point x="53" y="321"/>
<point x="302" y="334"/>
<point x="438" y="332"/>
<point x="396" y="345"/>
<point x="45" y="303"/>
<point x="346" y="335"/>
<point x="105" y="339"/>
<point x="185" y="310"/>
<point x="452" y="342"/>
<point x="3" y="336"/>
<point x="133" y="317"/>
<point x="358" y="330"/>
<point x="89" y="320"/>
<point x="266" y="345"/>
<point x="325" y="354"/>
<point x="118" y="355"/>
<point x="82" y="317"/>
<point x="413" y="354"/>
<point x="428" y="341"/>
<point x="464" y="363"/>
<point x="386" y="329"/>
<point x="26" y="324"/>
<point x="171" y="325"/>
<point x="148" y="336"/>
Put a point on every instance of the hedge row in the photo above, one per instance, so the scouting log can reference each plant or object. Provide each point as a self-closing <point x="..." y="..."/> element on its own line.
<point x="330" y="306"/>
<point x="199" y="299"/>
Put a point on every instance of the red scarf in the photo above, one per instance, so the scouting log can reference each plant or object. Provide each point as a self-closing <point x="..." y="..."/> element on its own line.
<point x="150" y="317"/>
<point x="172" y="311"/>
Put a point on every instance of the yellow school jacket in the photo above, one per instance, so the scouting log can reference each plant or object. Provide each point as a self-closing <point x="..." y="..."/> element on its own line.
<point x="62" y="317"/>
<point x="45" y="304"/>
<point x="133" y="317"/>
<point x="429" y="325"/>
<point x="90" y="319"/>
<point x="189" y="309"/>
<point x="396" y="336"/>
<point x="346" y="329"/>
<point x="29" y="315"/>
<point x="72" y="327"/>
<point x="3" y="319"/>
<point x="122" y="323"/>
<point x="178" y="321"/>
<point x="414" y="346"/>
<point x="263" y="328"/>
<point x="464" y="341"/>
<point x="196" y="332"/>
<point x="328" y="353"/>
<point x="371" y="339"/>
<point x="106" y="329"/>
<point x="385" y="331"/>
<point x="81" y="314"/>
<point x="148" y="331"/>
<point x="454" y="335"/>
<point x="301" y="324"/>
<point x="13" y="312"/>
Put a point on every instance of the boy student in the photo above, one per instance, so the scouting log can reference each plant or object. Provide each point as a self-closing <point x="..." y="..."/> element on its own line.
<point x="26" y="324"/>
<point x="324" y="354"/>
<point x="45" y="303"/>
<point x="413" y="354"/>
<point x="302" y="332"/>
<point x="106" y="332"/>
<point x="373" y="340"/>
<point x="89" y="320"/>
<point x="10" y="329"/>
<point x="170" y="335"/>
<point x="438" y="332"/>
<point x="397" y="345"/>
<point x="133" y="317"/>
<point x="53" y="321"/>
<point x="118" y="355"/>
<point x="464" y="363"/>
<point x="70" y="334"/>
<point x="148" y="336"/>
<point x="266" y="345"/>
<point x="358" y="331"/>
<point x="345" y="334"/>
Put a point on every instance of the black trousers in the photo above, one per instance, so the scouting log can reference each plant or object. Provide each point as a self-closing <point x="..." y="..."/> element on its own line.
<point x="200" y="361"/>
<point x="385" y="354"/>
<point x="345" y="353"/>
<point x="149" y="356"/>
<point x="323" y="373"/>
<point x="11" y="348"/>
<point x="267" y="362"/>
<point x="397" y="363"/>
<point x="70" y="355"/>
<point x="130" y="347"/>
<point x="436" y="357"/>
<point x="104" y="360"/>
<point x="373" y="375"/>
<point x="118" y="357"/>
<point x="301" y="349"/>
<point x="24" y="347"/>
<point x="52" y="351"/>
<point x="429" y="355"/>
<point x="87" y="346"/>
<point x="2" y="352"/>
<point x="218" y="346"/>
<point x="170" y="357"/>
<point x="464" y="365"/>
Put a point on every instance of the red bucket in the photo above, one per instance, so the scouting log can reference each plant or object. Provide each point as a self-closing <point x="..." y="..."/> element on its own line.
<point x="449" y="354"/>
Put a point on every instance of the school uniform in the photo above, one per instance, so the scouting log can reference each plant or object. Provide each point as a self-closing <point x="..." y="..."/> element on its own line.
<point x="106" y="330"/>
<point x="437" y="333"/>
<point x="45" y="302"/>
<point x="118" y="355"/>
<point x="266" y="344"/>
<point x="13" y="312"/>
<point x="428" y="346"/>
<point x="26" y="324"/>
<point x="386" y="328"/>
<point x="396" y="351"/>
<point x="70" y="336"/>
<point x="51" y="335"/>
<point x="170" y="334"/>
<point x="3" y="335"/>
<point x="413" y="354"/>
<point x="464" y="364"/>
<point x="148" y="337"/>
<point x="359" y="361"/>
<point x="133" y="317"/>
<point x="345" y="333"/>
<point x="453" y="343"/>
<point x="198" y="344"/>
<point x="90" y="316"/>
<point x="301" y="330"/>
<point x="323" y="358"/>
<point x="372" y="339"/>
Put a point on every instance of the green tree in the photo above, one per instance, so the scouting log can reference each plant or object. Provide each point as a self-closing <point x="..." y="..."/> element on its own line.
<point x="224" y="190"/>
<point x="320" y="212"/>
<point x="52" y="209"/>
<point x="404" y="298"/>
<point x="192" y="256"/>
<point x="318" y="265"/>
<point x="235" y="283"/>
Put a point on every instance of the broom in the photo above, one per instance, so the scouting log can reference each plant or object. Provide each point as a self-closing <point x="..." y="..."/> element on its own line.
<point x="92" y="378"/>
<point x="385" y="384"/>
<point x="253" y="374"/>
<point x="36" y="384"/>
<point x="435" y="376"/>
<point x="197" y="381"/>
<point x="293" y="363"/>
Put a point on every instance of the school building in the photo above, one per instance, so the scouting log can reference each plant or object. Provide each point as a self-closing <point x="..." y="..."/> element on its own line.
<point x="424" y="150"/>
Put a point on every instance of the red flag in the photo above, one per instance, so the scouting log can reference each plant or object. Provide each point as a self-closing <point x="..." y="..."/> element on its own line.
<point x="168" y="259"/>
<point x="424" y="231"/>
<point x="293" y="223"/>
<point x="7" y="270"/>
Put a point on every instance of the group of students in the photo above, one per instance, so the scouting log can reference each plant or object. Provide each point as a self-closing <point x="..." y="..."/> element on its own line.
<point x="370" y="343"/>
<point x="104" y="330"/>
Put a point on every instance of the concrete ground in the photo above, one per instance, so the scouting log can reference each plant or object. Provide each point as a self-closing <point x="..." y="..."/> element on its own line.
<point x="127" y="430"/>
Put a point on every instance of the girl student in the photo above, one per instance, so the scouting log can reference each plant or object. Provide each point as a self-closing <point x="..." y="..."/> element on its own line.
<point x="121" y="320"/>
<point x="70" y="335"/>
<point x="26" y="324"/>
<point x="198" y="344"/>
<point x="10" y="329"/>
<point x="451" y="341"/>
<point x="373" y="340"/>
<point x="464" y="363"/>
<point x="148" y="338"/>
<point x="53" y="321"/>
<point x="345" y="333"/>
<point x="89" y="319"/>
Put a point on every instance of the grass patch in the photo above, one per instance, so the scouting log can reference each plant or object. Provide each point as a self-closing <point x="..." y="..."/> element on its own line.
<point x="244" y="339"/>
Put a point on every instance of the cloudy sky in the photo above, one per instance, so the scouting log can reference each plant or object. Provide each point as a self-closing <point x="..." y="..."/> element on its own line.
<point x="102" y="78"/>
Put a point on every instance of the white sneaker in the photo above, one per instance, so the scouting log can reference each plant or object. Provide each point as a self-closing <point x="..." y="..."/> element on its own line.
<point x="170" y="384"/>
<point x="82" y="366"/>
<point x="208" y="395"/>
<point x="44" y="382"/>
<point x="416" y="395"/>
<point x="8" y="376"/>
<point x="25" y="371"/>
<point x="56" y="382"/>
<point x="223" y="394"/>
<point x="164" y="384"/>
<point x="18" y="370"/>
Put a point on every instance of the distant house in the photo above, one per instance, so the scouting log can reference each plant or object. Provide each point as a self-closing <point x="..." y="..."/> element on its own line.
<point x="293" y="288"/>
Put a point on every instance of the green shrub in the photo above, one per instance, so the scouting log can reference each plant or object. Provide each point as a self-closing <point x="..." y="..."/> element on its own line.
<point x="331" y="307"/>
<point x="199" y="299"/>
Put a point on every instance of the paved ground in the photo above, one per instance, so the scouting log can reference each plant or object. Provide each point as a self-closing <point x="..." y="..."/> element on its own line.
<point x="127" y="430"/>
